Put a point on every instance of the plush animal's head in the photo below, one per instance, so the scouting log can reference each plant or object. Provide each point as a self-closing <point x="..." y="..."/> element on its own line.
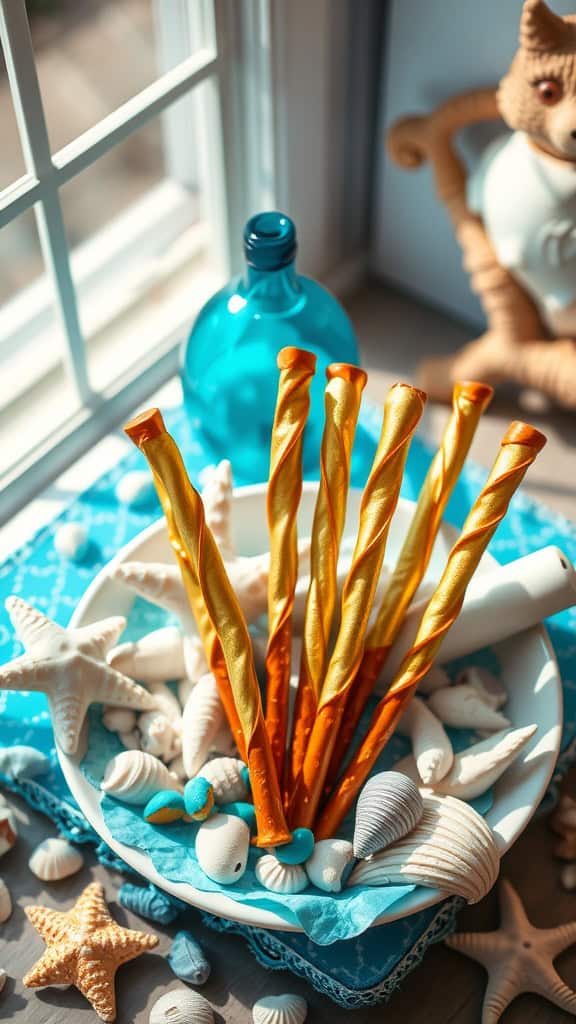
<point x="538" y="95"/>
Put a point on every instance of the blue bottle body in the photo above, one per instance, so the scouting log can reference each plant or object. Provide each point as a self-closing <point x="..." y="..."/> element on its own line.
<point x="229" y="370"/>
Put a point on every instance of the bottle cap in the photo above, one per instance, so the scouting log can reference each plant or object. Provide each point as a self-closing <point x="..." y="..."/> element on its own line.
<point x="269" y="241"/>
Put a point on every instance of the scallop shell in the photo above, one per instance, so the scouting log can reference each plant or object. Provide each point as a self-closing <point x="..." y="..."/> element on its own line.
<point x="158" y="735"/>
<point x="217" y="499"/>
<point x="489" y="688"/>
<point x="134" y="776"/>
<point x="71" y="541"/>
<point x="222" y="846"/>
<point x="451" y="849"/>
<point x="327" y="866"/>
<point x="431" y="747"/>
<point x="54" y="859"/>
<point x="463" y="707"/>
<point x="286" y="1009"/>
<point x="181" y="1006"/>
<point x="119" y="719"/>
<point x="202" y="720"/>
<point x="21" y="762"/>
<point x="229" y="779"/>
<point x="149" y="902"/>
<point x="5" y="902"/>
<point x="436" y="678"/>
<point x="188" y="960"/>
<point x="388" y="807"/>
<point x="279" y="877"/>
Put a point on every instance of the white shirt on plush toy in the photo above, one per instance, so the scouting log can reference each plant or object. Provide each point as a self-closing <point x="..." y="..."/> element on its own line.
<point x="527" y="201"/>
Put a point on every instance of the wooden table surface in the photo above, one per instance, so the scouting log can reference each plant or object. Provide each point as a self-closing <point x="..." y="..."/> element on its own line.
<point x="446" y="987"/>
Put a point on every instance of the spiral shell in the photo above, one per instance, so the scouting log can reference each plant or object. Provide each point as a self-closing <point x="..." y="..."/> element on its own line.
<point x="228" y="777"/>
<point x="388" y="807"/>
<point x="463" y="707"/>
<point x="279" y="877"/>
<point x="327" y="866"/>
<point x="430" y="744"/>
<point x="149" y="902"/>
<point x="286" y="1009"/>
<point x="222" y="846"/>
<point x="451" y="849"/>
<point x="202" y="720"/>
<point x="181" y="1006"/>
<point x="54" y="859"/>
<point x="188" y="960"/>
<point x="5" y="902"/>
<point x="134" y="776"/>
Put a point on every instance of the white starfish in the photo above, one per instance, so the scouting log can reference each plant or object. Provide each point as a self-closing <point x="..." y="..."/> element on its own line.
<point x="518" y="957"/>
<point x="69" y="666"/>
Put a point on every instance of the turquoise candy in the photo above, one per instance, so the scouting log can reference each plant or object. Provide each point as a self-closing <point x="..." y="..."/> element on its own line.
<point x="246" y="777"/>
<point x="241" y="810"/>
<point x="164" y="807"/>
<point x="188" y="960"/>
<point x="198" y="798"/>
<point x="299" y="849"/>
<point x="150" y="902"/>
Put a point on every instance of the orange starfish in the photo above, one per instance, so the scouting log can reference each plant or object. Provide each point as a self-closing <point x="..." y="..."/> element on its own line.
<point x="85" y="948"/>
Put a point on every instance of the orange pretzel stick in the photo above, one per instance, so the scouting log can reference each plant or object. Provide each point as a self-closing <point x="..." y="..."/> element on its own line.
<point x="342" y="404"/>
<point x="519" y="447"/>
<point x="469" y="400"/>
<point x="148" y="432"/>
<point x="283" y="496"/>
<point x="402" y="411"/>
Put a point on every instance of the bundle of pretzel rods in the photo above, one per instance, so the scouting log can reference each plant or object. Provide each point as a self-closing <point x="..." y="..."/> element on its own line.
<point x="296" y="768"/>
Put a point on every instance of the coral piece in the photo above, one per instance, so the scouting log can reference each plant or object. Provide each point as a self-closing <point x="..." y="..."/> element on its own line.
<point x="217" y="499"/>
<point x="5" y="902"/>
<point x="134" y="776"/>
<point x="285" y="1009"/>
<point x="181" y="1006"/>
<point x="21" y="762"/>
<point x="228" y="777"/>
<point x="68" y="666"/>
<point x="71" y="541"/>
<point x="463" y="707"/>
<point x="451" y="849"/>
<point x="328" y="866"/>
<point x="160" y="736"/>
<point x="188" y="960"/>
<point x="202" y="720"/>
<point x="389" y="807"/>
<point x="279" y="877"/>
<point x="222" y="846"/>
<point x="85" y="948"/>
<point x="518" y="957"/>
<point x="54" y="859"/>
<point x="431" y="746"/>
<point x="149" y="902"/>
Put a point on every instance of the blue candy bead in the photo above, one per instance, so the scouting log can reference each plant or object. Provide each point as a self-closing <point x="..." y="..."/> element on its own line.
<point x="149" y="902"/>
<point x="240" y="809"/>
<point x="299" y="849"/>
<point x="164" y="807"/>
<point x="188" y="960"/>
<point x="198" y="798"/>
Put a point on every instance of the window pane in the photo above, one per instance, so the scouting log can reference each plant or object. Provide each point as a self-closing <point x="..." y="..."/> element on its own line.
<point x="93" y="55"/>
<point x="12" y="159"/>
<point x="20" y="257"/>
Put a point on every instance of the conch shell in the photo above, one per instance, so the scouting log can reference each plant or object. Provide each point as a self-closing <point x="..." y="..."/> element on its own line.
<point x="134" y="776"/>
<point x="202" y="720"/>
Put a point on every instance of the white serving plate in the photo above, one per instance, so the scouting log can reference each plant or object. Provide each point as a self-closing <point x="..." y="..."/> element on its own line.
<point x="529" y="672"/>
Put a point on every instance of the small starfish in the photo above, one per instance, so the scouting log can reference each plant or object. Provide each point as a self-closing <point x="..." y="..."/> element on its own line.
<point x="69" y="666"/>
<point x="518" y="957"/>
<point x="85" y="948"/>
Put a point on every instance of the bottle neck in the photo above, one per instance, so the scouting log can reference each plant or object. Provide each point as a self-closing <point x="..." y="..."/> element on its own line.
<point x="279" y="288"/>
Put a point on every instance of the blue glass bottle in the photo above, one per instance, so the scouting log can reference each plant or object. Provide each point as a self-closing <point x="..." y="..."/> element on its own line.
<point x="229" y="371"/>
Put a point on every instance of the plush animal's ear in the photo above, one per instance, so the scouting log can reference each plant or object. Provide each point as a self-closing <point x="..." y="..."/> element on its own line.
<point x="543" y="31"/>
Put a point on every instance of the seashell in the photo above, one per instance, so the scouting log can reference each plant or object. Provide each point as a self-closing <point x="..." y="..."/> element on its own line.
<point x="223" y="744"/>
<point x="202" y="719"/>
<point x="131" y="740"/>
<point x="229" y="779"/>
<point x="195" y="661"/>
<point x="478" y="767"/>
<point x="436" y="678"/>
<point x="242" y="810"/>
<point x="135" y="489"/>
<point x="329" y="863"/>
<point x="149" y="902"/>
<point x="3" y="977"/>
<point x="54" y="859"/>
<point x="217" y="500"/>
<point x="165" y="807"/>
<point x="463" y="707"/>
<point x="5" y="902"/>
<point x="119" y="719"/>
<point x="489" y="688"/>
<point x="279" y="877"/>
<point x="153" y="658"/>
<point x="298" y="850"/>
<point x="157" y="736"/>
<point x="166" y="701"/>
<point x="8" y="829"/>
<point x="71" y="541"/>
<point x="181" y="1006"/>
<point x="222" y="845"/>
<point x="21" y="762"/>
<point x="198" y="798"/>
<point x="188" y="960"/>
<point x="134" y="776"/>
<point x="286" y="1009"/>
<point x="431" y="747"/>
<point x="185" y="687"/>
<point x="451" y="849"/>
<point x="388" y="808"/>
<point x="176" y="766"/>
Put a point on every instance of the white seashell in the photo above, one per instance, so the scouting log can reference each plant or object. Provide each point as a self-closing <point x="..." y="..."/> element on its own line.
<point x="119" y="719"/>
<point x="223" y="743"/>
<point x="54" y="859"/>
<point x="71" y="541"/>
<point x="157" y="736"/>
<point x="135" y="489"/>
<point x="431" y="747"/>
<point x="488" y="686"/>
<point x="436" y="678"/>
<point x="328" y="863"/>
<point x="479" y="766"/>
<point x="217" y="500"/>
<point x="181" y="1006"/>
<point x="5" y="902"/>
<point x="134" y="776"/>
<point x="195" y="662"/>
<point x="279" y="877"/>
<point x="222" y="847"/>
<point x="286" y="1009"/>
<point x="176" y="766"/>
<point x="160" y="583"/>
<point x="185" y="687"/>
<point x="155" y="657"/>
<point x="463" y="707"/>
<point x="227" y="776"/>
<point x="451" y="849"/>
<point x="202" y="719"/>
<point x="389" y="806"/>
<point x="131" y="740"/>
<point x="166" y="701"/>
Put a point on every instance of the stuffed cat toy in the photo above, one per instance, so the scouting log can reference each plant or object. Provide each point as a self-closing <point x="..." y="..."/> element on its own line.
<point x="515" y="217"/>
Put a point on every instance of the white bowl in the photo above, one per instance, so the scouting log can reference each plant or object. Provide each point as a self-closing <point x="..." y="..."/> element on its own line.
<point x="529" y="672"/>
